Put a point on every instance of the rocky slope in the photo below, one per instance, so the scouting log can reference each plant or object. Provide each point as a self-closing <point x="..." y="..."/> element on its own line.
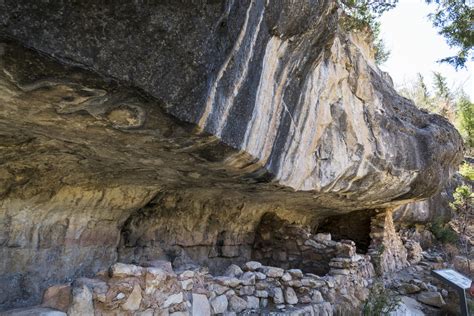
<point x="191" y="122"/>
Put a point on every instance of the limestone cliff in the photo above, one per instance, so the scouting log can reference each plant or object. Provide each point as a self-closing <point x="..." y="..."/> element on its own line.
<point x="168" y="130"/>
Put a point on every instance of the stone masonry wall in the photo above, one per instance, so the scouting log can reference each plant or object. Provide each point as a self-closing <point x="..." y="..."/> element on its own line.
<point x="282" y="244"/>
<point x="386" y="249"/>
<point x="127" y="289"/>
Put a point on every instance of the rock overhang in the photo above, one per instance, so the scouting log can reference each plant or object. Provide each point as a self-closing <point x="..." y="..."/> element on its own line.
<point x="283" y="96"/>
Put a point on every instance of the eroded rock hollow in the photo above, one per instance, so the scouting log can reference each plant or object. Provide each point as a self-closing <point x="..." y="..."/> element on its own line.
<point x="183" y="131"/>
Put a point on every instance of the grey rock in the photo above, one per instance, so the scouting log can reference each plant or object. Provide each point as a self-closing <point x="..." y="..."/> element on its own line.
<point x="253" y="302"/>
<point x="247" y="290"/>
<point x="273" y="272"/>
<point x="200" y="305"/>
<point x="290" y="296"/>
<point x="134" y="299"/>
<point x="219" y="304"/>
<point x="286" y="277"/>
<point x="122" y="270"/>
<point x="317" y="297"/>
<point x="277" y="295"/>
<point x="81" y="302"/>
<point x="296" y="273"/>
<point x="252" y="265"/>
<point x="233" y="271"/>
<point x="408" y="288"/>
<point x="237" y="304"/>
<point x="173" y="299"/>
<point x="248" y="278"/>
<point x="431" y="298"/>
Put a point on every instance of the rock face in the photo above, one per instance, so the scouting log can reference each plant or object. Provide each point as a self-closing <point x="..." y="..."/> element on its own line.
<point x="271" y="80"/>
<point x="436" y="207"/>
<point x="192" y="121"/>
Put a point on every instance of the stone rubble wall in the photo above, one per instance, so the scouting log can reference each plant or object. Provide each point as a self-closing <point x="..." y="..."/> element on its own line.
<point x="127" y="289"/>
<point x="286" y="245"/>
<point x="386" y="249"/>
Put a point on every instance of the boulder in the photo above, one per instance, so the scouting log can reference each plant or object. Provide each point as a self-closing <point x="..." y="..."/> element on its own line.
<point x="58" y="297"/>
<point x="431" y="298"/>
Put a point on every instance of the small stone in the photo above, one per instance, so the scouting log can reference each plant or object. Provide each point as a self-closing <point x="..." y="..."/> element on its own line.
<point x="219" y="289"/>
<point x="432" y="288"/>
<point x="247" y="290"/>
<point x="408" y="288"/>
<point x="134" y="299"/>
<point x="290" y="296"/>
<point x="122" y="270"/>
<point x="263" y="303"/>
<point x="120" y="296"/>
<point x="312" y="283"/>
<point x="431" y="298"/>
<point x="261" y="293"/>
<point x="228" y="281"/>
<point x="237" y="304"/>
<point x="248" y="278"/>
<point x="280" y="306"/>
<point x="322" y="236"/>
<point x="219" y="304"/>
<point x="252" y="265"/>
<point x="296" y="273"/>
<point x="188" y="274"/>
<point x="345" y="250"/>
<point x="305" y="299"/>
<point x="99" y="288"/>
<point x="154" y="278"/>
<point x="201" y="305"/>
<point x="444" y="293"/>
<point x="317" y="297"/>
<point x="81" y="302"/>
<point x="161" y="264"/>
<point x="339" y="272"/>
<point x="253" y="302"/>
<point x="314" y="244"/>
<point x="173" y="299"/>
<point x="286" y="277"/>
<point x="295" y="283"/>
<point x="187" y="285"/>
<point x="277" y="295"/>
<point x="233" y="271"/>
<point x="148" y="312"/>
<point x="179" y="313"/>
<point x="273" y="272"/>
<point x="260" y="276"/>
<point x="230" y="293"/>
<point x="58" y="297"/>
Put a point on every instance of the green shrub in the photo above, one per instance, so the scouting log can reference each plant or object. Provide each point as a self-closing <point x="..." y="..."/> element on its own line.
<point x="380" y="301"/>
<point x="443" y="232"/>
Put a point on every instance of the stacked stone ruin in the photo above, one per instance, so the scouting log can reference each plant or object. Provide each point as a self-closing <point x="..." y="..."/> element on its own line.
<point x="158" y="290"/>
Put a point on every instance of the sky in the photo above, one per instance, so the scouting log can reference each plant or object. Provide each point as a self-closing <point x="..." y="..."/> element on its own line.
<point x="415" y="47"/>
